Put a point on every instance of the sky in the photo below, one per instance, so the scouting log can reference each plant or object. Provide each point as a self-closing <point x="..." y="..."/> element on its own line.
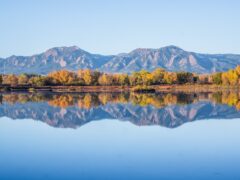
<point x="111" y="27"/>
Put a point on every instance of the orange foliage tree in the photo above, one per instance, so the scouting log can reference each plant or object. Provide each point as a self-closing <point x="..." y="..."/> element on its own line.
<point x="63" y="77"/>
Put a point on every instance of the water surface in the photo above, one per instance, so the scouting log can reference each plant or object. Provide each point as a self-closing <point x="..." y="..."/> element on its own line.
<point x="119" y="136"/>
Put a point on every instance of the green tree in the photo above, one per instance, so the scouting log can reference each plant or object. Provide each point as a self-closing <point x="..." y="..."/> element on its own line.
<point x="1" y="78"/>
<point x="95" y="76"/>
<point x="217" y="78"/>
<point x="184" y="77"/>
<point x="38" y="81"/>
<point x="123" y="79"/>
<point x="135" y="79"/>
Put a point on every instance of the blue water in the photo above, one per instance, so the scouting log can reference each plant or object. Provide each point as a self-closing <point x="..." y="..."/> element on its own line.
<point x="111" y="149"/>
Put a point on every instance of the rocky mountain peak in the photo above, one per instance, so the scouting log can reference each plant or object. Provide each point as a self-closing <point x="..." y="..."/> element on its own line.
<point x="171" y="58"/>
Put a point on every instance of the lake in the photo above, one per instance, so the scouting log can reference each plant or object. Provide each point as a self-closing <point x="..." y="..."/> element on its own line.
<point x="120" y="136"/>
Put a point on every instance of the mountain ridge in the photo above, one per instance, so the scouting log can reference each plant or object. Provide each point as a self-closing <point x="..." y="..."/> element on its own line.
<point x="171" y="58"/>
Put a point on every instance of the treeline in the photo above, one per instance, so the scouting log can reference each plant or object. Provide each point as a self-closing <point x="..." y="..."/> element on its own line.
<point x="94" y="78"/>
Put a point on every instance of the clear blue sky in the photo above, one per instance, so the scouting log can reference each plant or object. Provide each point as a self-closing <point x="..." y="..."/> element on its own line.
<point x="111" y="27"/>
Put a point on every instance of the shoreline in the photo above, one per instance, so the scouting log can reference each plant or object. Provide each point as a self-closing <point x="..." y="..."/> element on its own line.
<point x="108" y="89"/>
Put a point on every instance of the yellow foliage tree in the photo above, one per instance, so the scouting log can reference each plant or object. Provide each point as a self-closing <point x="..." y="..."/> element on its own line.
<point x="23" y="79"/>
<point x="87" y="76"/>
<point x="170" y="78"/>
<point x="232" y="77"/>
<point x="63" y="77"/>
<point x="225" y="80"/>
<point x="157" y="76"/>
<point x="105" y="80"/>
<point x="238" y="70"/>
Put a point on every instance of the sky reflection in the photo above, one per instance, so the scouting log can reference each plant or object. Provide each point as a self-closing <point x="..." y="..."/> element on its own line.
<point x="110" y="149"/>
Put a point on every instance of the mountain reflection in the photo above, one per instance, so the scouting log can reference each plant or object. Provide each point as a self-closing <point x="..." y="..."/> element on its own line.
<point x="75" y="109"/>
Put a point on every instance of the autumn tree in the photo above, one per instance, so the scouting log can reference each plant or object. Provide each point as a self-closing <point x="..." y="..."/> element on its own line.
<point x="105" y="79"/>
<point x="63" y="77"/>
<point x="238" y="70"/>
<point x="146" y="77"/>
<point x="232" y="77"/>
<point x="170" y="78"/>
<point x="10" y="79"/>
<point x="23" y="79"/>
<point x="225" y="80"/>
<point x="141" y="78"/>
<point x="80" y="74"/>
<point x="87" y="77"/>
<point x="157" y="76"/>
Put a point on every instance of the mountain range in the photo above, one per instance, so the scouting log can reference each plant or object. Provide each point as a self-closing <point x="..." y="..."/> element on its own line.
<point x="171" y="58"/>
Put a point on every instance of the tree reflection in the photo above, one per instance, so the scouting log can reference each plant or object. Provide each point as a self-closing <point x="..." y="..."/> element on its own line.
<point x="91" y="100"/>
<point x="228" y="98"/>
<point x="88" y="101"/>
<point x="62" y="101"/>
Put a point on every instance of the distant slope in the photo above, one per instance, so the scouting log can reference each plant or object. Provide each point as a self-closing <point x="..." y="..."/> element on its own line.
<point x="171" y="58"/>
<point x="73" y="58"/>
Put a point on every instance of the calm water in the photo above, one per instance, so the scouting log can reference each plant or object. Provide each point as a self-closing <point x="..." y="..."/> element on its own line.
<point x="120" y="136"/>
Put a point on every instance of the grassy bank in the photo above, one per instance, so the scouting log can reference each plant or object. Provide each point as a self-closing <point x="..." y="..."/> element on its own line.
<point x="65" y="88"/>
